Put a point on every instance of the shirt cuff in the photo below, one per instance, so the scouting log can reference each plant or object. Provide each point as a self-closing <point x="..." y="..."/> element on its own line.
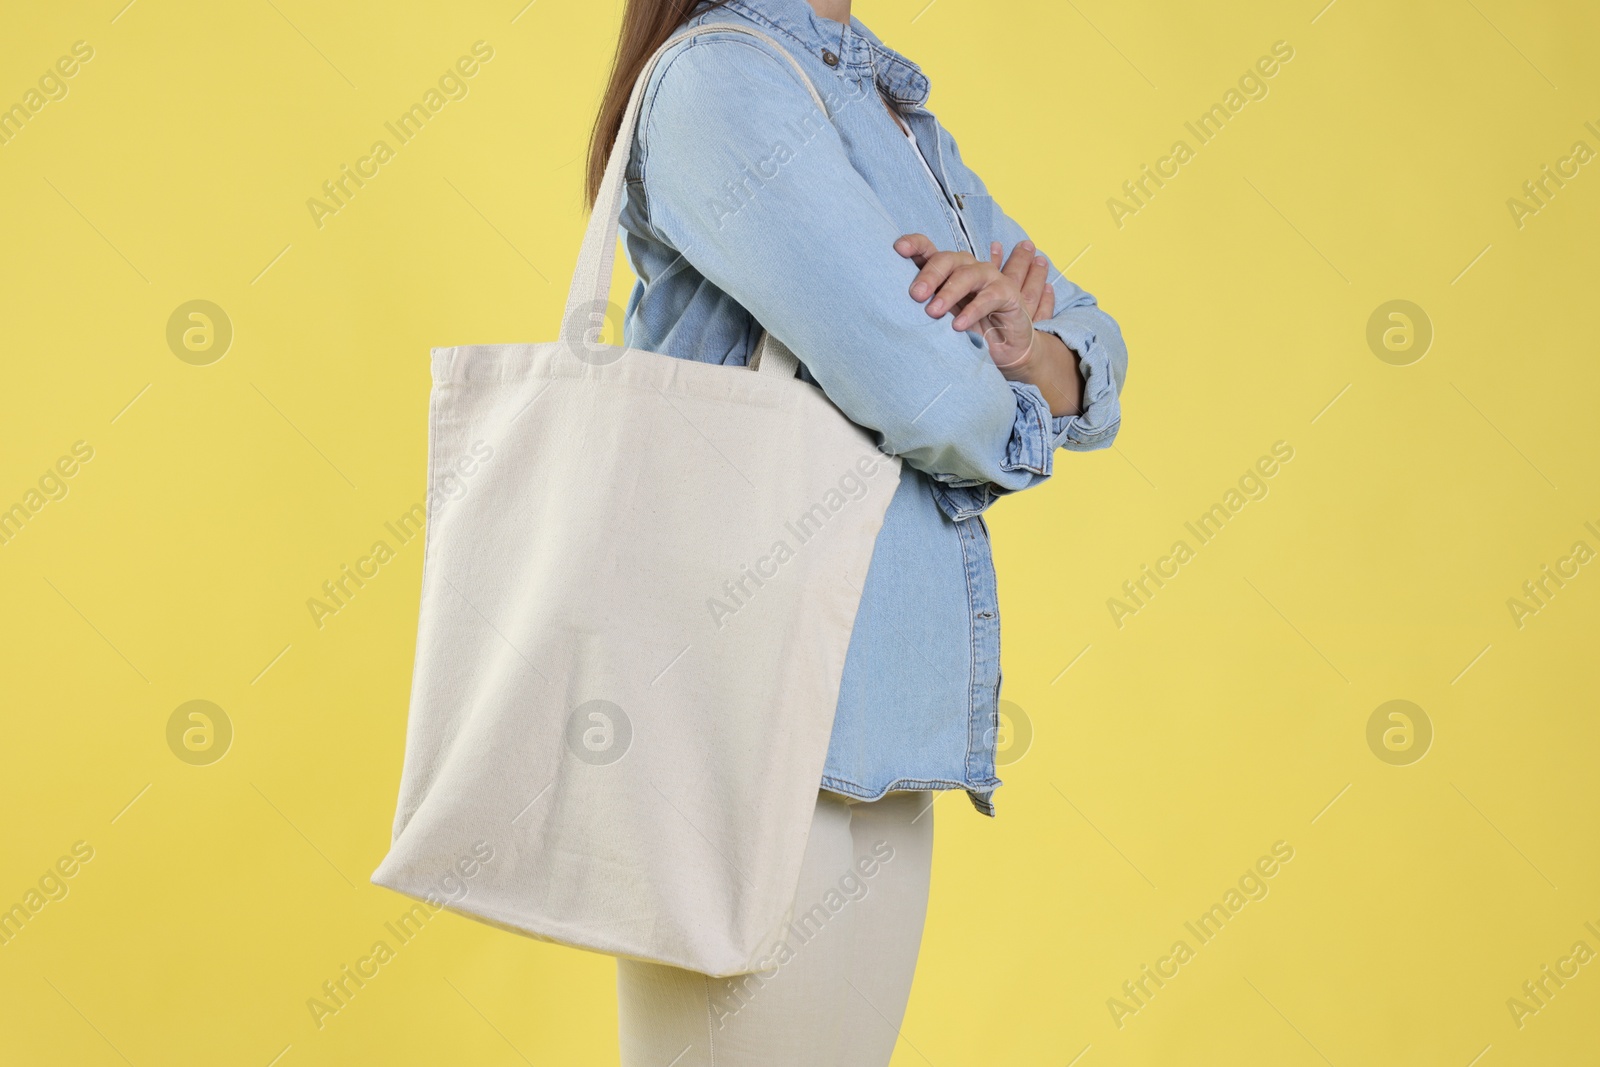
<point x="1028" y="459"/>
<point x="1094" y="427"/>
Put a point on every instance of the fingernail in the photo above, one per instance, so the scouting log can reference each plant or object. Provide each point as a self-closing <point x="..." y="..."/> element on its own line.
<point x="1040" y="260"/>
<point x="936" y="307"/>
<point x="1028" y="245"/>
<point x="919" y="290"/>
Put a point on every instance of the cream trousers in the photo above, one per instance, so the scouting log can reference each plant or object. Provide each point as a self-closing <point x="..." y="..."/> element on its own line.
<point x="835" y="989"/>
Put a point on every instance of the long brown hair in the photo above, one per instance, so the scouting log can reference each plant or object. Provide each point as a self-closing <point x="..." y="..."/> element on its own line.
<point x="646" y="25"/>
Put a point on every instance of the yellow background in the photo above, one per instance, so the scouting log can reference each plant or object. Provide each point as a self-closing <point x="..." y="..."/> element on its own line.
<point x="1229" y="713"/>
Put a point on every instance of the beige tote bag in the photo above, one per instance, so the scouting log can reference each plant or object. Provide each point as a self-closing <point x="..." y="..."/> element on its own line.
<point x="639" y="583"/>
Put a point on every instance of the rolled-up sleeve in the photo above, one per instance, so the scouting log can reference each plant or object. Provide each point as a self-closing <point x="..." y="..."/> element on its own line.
<point x="751" y="184"/>
<point x="1036" y="435"/>
<point x="1103" y="362"/>
<point x="1080" y="324"/>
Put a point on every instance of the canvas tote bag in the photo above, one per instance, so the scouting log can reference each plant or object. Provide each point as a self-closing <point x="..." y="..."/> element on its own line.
<point x="639" y="582"/>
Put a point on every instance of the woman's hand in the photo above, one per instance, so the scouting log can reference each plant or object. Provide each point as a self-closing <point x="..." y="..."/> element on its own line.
<point x="1003" y="301"/>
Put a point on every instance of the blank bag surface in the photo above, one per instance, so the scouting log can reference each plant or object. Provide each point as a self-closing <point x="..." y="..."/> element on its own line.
<point x="641" y="574"/>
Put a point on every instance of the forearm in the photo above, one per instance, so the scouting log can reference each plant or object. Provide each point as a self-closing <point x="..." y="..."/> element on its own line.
<point x="810" y="256"/>
<point x="1052" y="368"/>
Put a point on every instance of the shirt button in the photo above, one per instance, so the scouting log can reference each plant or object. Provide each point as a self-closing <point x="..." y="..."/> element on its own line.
<point x="829" y="58"/>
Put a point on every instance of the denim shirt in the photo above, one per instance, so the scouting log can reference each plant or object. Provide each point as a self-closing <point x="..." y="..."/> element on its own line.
<point x="746" y="208"/>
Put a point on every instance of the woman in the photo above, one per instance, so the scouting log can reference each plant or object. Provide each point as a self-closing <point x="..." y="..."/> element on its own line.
<point x="853" y="237"/>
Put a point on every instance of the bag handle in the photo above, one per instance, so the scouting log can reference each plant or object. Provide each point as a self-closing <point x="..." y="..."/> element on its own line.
<point x="591" y="278"/>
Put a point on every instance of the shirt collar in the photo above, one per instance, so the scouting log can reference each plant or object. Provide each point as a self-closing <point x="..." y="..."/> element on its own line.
<point x="860" y="52"/>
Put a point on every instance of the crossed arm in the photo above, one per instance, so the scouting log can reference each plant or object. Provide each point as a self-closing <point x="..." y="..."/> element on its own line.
<point x="802" y="242"/>
<point x="1004" y="301"/>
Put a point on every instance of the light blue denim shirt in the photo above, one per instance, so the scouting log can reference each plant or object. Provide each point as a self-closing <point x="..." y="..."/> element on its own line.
<point x="747" y="208"/>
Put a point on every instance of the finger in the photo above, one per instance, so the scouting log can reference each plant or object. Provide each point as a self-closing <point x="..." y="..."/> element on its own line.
<point x="935" y="271"/>
<point x="995" y="251"/>
<point x="995" y="299"/>
<point x="1047" y="302"/>
<point x="1033" y="285"/>
<point x="964" y="280"/>
<point x="1016" y="267"/>
<point x="916" y="246"/>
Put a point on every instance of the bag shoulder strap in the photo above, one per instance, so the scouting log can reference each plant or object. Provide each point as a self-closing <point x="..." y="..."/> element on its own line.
<point x="591" y="278"/>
